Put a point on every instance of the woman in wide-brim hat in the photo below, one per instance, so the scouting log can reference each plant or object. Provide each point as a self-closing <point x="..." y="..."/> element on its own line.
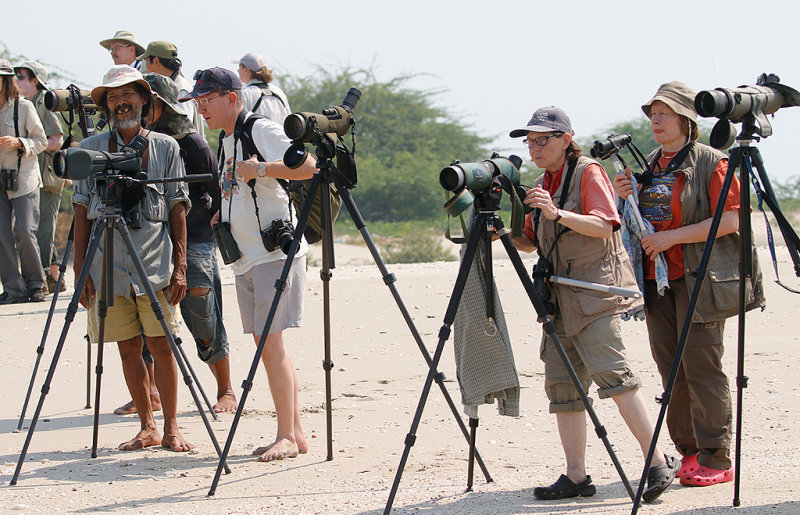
<point x="679" y="199"/>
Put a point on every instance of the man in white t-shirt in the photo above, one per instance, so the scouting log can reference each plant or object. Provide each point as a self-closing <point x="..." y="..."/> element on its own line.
<point x="254" y="201"/>
<point x="259" y="94"/>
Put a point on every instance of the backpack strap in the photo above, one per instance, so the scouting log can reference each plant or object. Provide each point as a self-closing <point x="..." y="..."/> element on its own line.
<point x="265" y="92"/>
<point x="561" y="201"/>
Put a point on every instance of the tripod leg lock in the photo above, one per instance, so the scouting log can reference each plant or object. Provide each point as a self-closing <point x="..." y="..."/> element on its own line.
<point x="247" y="385"/>
<point x="98" y="370"/>
<point x="444" y="332"/>
<point x="741" y="382"/>
<point x="45" y="389"/>
<point x="389" y="279"/>
<point x="663" y="398"/>
<point x="280" y="285"/>
<point x="473" y="422"/>
<point x="411" y="439"/>
<point x="325" y="276"/>
<point x="439" y="378"/>
<point x="178" y="340"/>
<point x="327" y="365"/>
<point x="601" y="431"/>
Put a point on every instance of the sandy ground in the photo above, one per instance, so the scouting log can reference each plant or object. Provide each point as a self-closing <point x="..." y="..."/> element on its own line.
<point x="377" y="380"/>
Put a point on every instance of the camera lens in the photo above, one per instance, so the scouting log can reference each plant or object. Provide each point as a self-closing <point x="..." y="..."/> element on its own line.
<point x="295" y="126"/>
<point x="452" y="178"/>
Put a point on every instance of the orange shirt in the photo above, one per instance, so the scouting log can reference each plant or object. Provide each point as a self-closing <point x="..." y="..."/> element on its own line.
<point x="597" y="196"/>
<point x="660" y="203"/>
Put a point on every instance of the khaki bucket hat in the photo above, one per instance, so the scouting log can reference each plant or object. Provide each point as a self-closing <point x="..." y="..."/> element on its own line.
<point x="123" y="36"/>
<point x="678" y="96"/>
<point x="36" y="69"/>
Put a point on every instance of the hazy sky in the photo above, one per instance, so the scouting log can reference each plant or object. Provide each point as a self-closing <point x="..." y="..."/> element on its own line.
<point x="496" y="61"/>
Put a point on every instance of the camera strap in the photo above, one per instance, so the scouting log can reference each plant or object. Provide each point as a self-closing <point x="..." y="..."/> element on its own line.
<point x="112" y="148"/>
<point x="561" y="201"/>
<point x="243" y="133"/>
<point x="16" y="133"/>
<point x="676" y="161"/>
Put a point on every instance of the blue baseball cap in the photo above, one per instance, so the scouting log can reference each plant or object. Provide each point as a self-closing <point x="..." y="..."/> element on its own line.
<point x="545" y="119"/>
<point x="213" y="79"/>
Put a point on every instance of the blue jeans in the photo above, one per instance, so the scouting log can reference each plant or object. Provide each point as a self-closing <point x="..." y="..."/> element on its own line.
<point x="203" y="314"/>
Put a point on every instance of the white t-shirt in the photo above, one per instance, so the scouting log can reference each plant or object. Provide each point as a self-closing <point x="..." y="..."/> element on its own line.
<point x="273" y="202"/>
<point x="271" y="107"/>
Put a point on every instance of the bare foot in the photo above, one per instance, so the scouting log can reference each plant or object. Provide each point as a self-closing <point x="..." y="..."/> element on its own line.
<point x="130" y="408"/>
<point x="226" y="403"/>
<point x="176" y="442"/>
<point x="279" y="450"/>
<point x="144" y="438"/>
<point x="302" y="444"/>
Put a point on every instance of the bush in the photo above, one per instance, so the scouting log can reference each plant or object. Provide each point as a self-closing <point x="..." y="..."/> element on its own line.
<point x="417" y="247"/>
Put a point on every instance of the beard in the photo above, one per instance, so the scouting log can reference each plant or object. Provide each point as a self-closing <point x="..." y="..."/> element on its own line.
<point x="127" y="116"/>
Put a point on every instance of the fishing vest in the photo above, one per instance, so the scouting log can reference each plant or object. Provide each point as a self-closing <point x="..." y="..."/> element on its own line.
<point x="584" y="258"/>
<point x="719" y="292"/>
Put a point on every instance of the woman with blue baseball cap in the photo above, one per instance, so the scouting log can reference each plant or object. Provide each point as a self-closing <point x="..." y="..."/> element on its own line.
<point x="574" y="228"/>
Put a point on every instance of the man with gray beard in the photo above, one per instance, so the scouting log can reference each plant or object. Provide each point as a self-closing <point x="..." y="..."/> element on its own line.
<point x="159" y="234"/>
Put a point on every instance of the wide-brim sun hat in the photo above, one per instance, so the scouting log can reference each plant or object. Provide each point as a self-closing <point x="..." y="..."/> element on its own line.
<point x="117" y="76"/>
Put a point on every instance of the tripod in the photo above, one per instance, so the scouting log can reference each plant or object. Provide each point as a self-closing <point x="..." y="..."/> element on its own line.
<point x="486" y="221"/>
<point x="111" y="218"/>
<point x="40" y="349"/>
<point x="320" y="185"/>
<point x="745" y="157"/>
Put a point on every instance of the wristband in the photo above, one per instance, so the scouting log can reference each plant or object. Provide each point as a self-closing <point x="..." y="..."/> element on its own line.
<point x="559" y="214"/>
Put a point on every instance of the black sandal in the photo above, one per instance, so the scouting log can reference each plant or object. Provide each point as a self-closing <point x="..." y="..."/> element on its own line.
<point x="659" y="478"/>
<point x="564" y="488"/>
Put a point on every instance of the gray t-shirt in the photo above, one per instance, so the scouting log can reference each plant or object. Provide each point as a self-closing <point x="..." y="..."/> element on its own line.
<point x="152" y="241"/>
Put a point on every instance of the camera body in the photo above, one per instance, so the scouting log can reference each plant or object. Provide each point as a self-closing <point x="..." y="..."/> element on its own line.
<point x="279" y="234"/>
<point x="9" y="180"/>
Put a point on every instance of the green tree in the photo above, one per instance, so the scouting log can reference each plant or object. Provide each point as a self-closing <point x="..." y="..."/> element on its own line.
<point x="402" y="140"/>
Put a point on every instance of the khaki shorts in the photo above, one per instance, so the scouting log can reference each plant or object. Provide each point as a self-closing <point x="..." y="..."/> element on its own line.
<point x="131" y="316"/>
<point x="596" y="353"/>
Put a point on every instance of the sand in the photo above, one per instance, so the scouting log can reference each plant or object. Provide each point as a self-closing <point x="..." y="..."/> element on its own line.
<point x="377" y="379"/>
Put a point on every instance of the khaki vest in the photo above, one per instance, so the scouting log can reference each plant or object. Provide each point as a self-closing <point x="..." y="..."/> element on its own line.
<point x="584" y="258"/>
<point x="719" y="292"/>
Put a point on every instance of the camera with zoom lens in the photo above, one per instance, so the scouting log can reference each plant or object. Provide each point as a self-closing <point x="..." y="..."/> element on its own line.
<point x="279" y="234"/>
<point x="9" y="180"/>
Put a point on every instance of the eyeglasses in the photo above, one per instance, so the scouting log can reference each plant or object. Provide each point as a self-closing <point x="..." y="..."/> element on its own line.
<point x="117" y="46"/>
<point x="541" y="140"/>
<point x="203" y="101"/>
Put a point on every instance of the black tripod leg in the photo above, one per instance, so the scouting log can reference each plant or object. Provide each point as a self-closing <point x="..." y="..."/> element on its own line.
<point x="550" y="329"/>
<point x="155" y="305"/>
<point x="88" y="372"/>
<point x="733" y="163"/>
<point x="178" y="344"/>
<point x="40" y="349"/>
<point x="473" y="428"/>
<point x="745" y="273"/>
<point x="107" y="282"/>
<point x="325" y="274"/>
<point x="69" y="317"/>
<point x="390" y="279"/>
<point x="280" y="284"/>
<point x="444" y="333"/>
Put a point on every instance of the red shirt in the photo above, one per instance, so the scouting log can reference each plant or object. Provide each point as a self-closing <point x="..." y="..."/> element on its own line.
<point x="597" y="196"/>
<point x="660" y="203"/>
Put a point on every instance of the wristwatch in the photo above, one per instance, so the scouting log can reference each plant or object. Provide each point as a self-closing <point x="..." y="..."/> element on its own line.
<point x="559" y="213"/>
<point x="262" y="169"/>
